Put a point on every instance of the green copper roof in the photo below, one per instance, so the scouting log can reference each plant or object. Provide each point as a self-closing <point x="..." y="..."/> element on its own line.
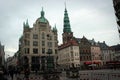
<point x="54" y="29"/>
<point x="26" y="24"/>
<point x="67" y="27"/>
<point x="42" y="18"/>
<point x="23" y="24"/>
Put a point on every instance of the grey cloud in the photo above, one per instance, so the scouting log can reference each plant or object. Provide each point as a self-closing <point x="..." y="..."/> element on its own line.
<point x="14" y="12"/>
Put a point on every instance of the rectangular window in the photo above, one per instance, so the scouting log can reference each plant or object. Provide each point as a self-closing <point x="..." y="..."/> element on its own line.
<point x="27" y="43"/>
<point x="71" y="54"/>
<point x="49" y="44"/>
<point x="43" y="43"/>
<point x="50" y="37"/>
<point x="55" y="37"/>
<point x="87" y="57"/>
<point x="43" y="35"/>
<point x="56" y="45"/>
<point x="43" y="50"/>
<point x="81" y="58"/>
<point x="27" y="35"/>
<point x="35" y="50"/>
<point x="84" y="58"/>
<point x="49" y="51"/>
<point x="35" y="36"/>
<point x="55" y="51"/>
<point x="35" y="43"/>
<point x="26" y="50"/>
<point x="35" y="59"/>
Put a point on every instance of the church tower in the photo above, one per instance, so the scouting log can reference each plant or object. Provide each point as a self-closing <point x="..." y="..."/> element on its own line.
<point x="67" y="33"/>
<point x="67" y="47"/>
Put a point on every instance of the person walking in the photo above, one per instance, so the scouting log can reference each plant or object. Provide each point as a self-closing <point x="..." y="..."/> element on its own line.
<point x="11" y="72"/>
<point x="26" y="74"/>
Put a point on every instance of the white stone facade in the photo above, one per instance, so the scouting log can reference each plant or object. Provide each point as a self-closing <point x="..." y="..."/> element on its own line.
<point x="69" y="56"/>
<point x="38" y="41"/>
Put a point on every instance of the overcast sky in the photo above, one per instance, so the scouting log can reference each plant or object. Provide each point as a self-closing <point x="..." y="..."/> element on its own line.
<point x="91" y="18"/>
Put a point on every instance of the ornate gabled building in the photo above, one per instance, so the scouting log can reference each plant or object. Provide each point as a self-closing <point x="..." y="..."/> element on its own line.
<point x="90" y="53"/>
<point x="106" y="53"/>
<point x="12" y="61"/>
<point x="96" y="55"/>
<point x="68" y="55"/>
<point x="85" y="51"/>
<point x="38" y="46"/>
<point x="116" y="51"/>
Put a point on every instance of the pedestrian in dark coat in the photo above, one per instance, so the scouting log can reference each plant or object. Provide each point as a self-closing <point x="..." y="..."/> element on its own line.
<point x="11" y="72"/>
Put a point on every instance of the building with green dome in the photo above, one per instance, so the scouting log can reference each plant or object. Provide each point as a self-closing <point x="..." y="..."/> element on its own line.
<point x="38" y="45"/>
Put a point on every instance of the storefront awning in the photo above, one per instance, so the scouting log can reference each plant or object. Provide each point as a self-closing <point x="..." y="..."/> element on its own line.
<point x="90" y="62"/>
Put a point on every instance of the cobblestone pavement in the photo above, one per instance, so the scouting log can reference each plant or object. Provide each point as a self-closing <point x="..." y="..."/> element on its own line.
<point x="84" y="75"/>
<point x="21" y="77"/>
<point x="34" y="77"/>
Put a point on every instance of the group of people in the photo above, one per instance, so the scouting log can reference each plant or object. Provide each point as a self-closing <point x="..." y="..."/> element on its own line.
<point x="51" y="77"/>
<point x="5" y="72"/>
<point x="11" y="71"/>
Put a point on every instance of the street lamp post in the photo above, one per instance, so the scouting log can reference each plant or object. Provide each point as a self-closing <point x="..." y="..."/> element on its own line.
<point x="49" y="61"/>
